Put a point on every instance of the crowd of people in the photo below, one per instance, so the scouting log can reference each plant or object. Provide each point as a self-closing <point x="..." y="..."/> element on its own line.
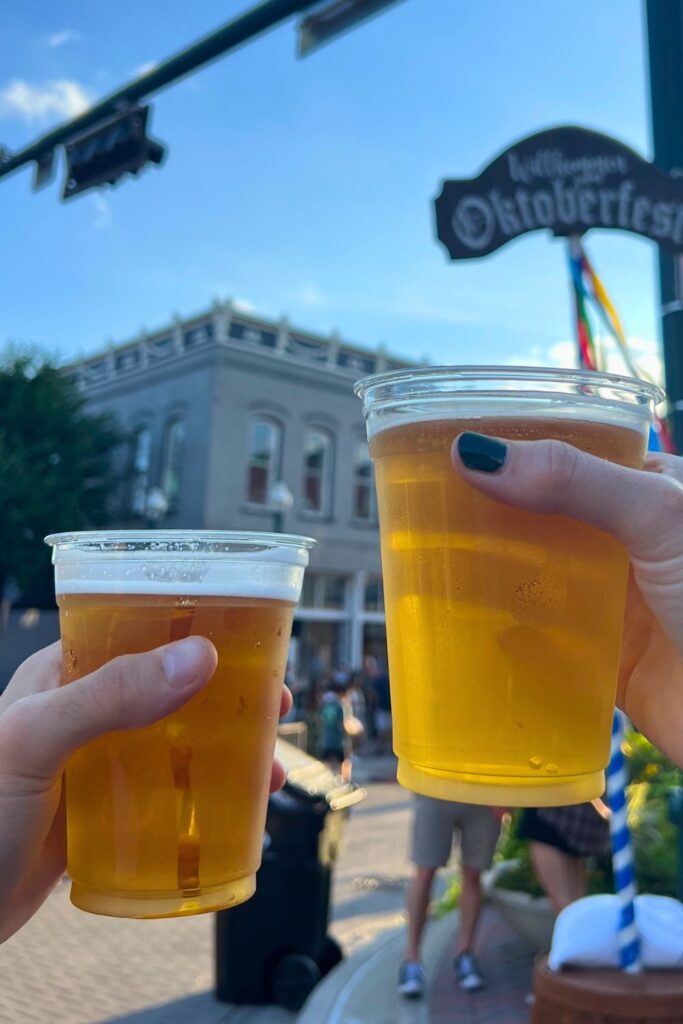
<point x="344" y="710"/>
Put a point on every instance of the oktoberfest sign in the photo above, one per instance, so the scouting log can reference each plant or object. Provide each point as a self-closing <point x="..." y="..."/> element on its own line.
<point x="567" y="180"/>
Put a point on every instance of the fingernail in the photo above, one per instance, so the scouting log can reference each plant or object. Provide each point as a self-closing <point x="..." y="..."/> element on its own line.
<point x="182" y="660"/>
<point x="477" y="451"/>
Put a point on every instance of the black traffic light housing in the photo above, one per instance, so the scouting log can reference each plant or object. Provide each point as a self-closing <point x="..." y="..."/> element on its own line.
<point x="116" y="146"/>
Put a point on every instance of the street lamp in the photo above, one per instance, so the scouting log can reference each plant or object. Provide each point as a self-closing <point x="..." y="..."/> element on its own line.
<point x="280" y="499"/>
<point x="156" y="507"/>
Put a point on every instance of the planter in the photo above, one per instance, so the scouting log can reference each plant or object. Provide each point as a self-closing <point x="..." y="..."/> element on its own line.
<point x="531" y="917"/>
<point x="606" y="996"/>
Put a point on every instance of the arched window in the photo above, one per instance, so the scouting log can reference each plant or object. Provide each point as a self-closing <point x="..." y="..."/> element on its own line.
<point x="174" y="453"/>
<point x="263" y="459"/>
<point x="364" y="497"/>
<point x="141" y="459"/>
<point x="318" y="469"/>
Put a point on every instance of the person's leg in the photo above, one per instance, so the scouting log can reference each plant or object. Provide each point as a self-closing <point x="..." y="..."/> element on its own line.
<point x="479" y="832"/>
<point x="470" y="908"/>
<point x="579" y="877"/>
<point x="560" y="874"/>
<point x="419" y="896"/>
<point x="431" y="841"/>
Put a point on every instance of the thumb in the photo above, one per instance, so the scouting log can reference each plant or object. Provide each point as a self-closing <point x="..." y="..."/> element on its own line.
<point x="641" y="509"/>
<point x="38" y="733"/>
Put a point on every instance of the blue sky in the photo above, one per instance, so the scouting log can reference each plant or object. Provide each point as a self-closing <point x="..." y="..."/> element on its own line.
<point x="305" y="187"/>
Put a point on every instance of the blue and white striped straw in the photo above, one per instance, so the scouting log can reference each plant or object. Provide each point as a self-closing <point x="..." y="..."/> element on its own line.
<point x="622" y="852"/>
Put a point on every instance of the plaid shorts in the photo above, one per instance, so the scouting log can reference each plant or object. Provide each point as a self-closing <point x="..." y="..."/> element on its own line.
<point x="581" y="831"/>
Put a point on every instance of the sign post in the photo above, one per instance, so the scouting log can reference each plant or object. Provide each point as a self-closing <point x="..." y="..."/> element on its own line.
<point x="665" y="46"/>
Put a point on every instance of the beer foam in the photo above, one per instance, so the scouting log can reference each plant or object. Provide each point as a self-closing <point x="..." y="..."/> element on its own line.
<point x="236" y="588"/>
<point x="264" y="574"/>
<point x="470" y="406"/>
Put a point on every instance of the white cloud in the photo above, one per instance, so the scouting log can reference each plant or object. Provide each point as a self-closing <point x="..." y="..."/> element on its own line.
<point x="310" y="295"/>
<point x="644" y="351"/>
<point x="560" y="353"/>
<point x="62" y="97"/>
<point x="243" y="306"/>
<point x="103" y="210"/>
<point x="62" y="37"/>
<point x="145" y="68"/>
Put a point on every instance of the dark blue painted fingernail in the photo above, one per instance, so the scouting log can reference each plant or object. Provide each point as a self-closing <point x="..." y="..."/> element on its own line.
<point x="477" y="451"/>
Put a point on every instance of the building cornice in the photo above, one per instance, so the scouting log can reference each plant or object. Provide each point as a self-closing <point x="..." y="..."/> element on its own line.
<point x="245" y="339"/>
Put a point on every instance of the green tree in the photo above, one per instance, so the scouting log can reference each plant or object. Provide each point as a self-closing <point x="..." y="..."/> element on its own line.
<point x="56" y="468"/>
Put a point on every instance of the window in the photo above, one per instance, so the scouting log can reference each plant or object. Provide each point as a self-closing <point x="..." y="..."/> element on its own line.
<point x="364" y="497"/>
<point x="196" y="335"/>
<point x="263" y="460"/>
<point x="374" y="595"/>
<point x="317" y="471"/>
<point x="323" y="590"/>
<point x="140" y="466"/>
<point x="172" y="470"/>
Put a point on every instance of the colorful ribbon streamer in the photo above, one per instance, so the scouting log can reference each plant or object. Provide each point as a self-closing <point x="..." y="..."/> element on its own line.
<point x="622" y="852"/>
<point x="588" y="287"/>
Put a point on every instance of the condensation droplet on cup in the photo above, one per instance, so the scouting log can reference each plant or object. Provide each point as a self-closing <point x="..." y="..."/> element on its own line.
<point x="278" y="635"/>
<point x="551" y="768"/>
<point x="535" y="762"/>
<point x="257" y="645"/>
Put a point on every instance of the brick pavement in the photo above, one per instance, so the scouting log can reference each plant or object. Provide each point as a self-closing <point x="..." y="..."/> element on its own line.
<point x="507" y="964"/>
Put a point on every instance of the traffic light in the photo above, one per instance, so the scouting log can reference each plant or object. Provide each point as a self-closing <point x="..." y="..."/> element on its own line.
<point x="105" y="152"/>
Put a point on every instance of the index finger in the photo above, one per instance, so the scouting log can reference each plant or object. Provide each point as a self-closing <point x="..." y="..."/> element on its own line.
<point x="42" y="671"/>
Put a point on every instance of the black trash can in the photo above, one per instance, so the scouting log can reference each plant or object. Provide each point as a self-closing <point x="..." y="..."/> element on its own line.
<point x="275" y="948"/>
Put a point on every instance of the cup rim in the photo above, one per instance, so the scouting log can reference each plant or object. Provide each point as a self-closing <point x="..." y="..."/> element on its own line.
<point x="388" y="385"/>
<point x="177" y="541"/>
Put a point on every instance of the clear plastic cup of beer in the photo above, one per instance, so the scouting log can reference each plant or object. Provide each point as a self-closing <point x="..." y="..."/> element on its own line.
<point x="168" y="820"/>
<point x="504" y="627"/>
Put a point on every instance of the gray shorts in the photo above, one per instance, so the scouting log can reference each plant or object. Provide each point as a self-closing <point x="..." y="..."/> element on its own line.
<point x="435" y="822"/>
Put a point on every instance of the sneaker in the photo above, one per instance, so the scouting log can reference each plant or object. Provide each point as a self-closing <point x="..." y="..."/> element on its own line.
<point x="467" y="973"/>
<point x="411" y="980"/>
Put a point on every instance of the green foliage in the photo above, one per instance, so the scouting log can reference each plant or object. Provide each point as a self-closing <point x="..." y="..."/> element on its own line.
<point x="647" y="764"/>
<point x="55" y="467"/>
<point x="450" y="899"/>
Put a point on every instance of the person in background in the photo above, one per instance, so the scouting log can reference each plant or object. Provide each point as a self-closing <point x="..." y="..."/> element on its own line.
<point x="333" y="735"/>
<point x="435" y="822"/>
<point x="309" y="712"/>
<point x="382" y="713"/>
<point x="356" y="695"/>
<point x="370" y="673"/>
<point x="341" y="677"/>
<point x="560" y="840"/>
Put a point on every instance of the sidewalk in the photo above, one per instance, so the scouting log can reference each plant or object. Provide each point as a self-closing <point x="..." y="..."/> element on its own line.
<point x="507" y="965"/>
<point x="374" y="768"/>
<point x="363" y="990"/>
